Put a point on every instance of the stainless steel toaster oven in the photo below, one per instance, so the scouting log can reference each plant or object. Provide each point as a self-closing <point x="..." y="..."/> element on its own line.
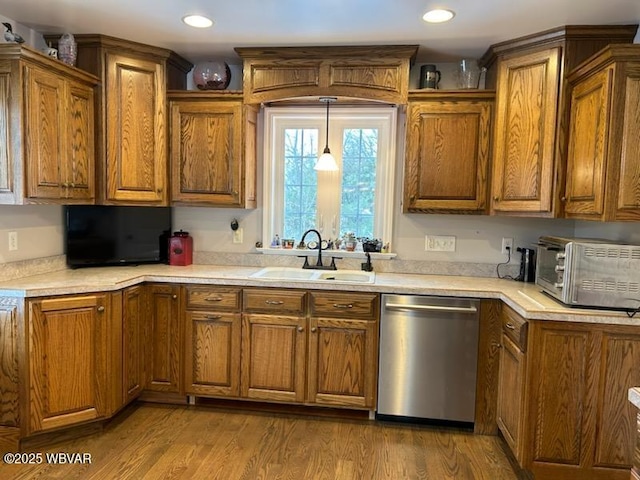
<point x="589" y="272"/>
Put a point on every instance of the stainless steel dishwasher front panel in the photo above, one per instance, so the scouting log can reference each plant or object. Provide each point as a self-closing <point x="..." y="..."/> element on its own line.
<point x="428" y="357"/>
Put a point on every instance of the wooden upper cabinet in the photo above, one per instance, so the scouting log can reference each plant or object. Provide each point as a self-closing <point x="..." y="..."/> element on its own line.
<point x="603" y="164"/>
<point x="212" y="149"/>
<point x="47" y="117"/>
<point x="532" y="114"/>
<point x="136" y="162"/>
<point x="448" y="149"/>
<point x="132" y="162"/>
<point x="522" y="179"/>
<point x="68" y="369"/>
<point x="374" y="72"/>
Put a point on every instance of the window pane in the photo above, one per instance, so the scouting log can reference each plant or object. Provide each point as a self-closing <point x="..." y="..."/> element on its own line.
<point x="359" y="158"/>
<point x="300" y="181"/>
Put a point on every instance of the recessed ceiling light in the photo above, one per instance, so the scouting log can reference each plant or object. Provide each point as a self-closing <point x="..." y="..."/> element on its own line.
<point x="197" y="21"/>
<point x="438" y="15"/>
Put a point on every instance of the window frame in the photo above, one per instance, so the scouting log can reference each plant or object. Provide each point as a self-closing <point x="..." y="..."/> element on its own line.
<point x="278" y="118"/>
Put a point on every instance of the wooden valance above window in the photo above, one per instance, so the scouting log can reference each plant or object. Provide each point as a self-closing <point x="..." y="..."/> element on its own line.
<point x="378" y="72"/>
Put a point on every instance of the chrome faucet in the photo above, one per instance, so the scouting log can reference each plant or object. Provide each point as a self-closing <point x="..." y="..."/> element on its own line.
<point x="319" y="265"/>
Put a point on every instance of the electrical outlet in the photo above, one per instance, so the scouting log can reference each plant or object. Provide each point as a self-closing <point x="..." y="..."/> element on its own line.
<point x="440" y="243"/>
<point x="237" y="236"/>
<point x="507" y="243"/>
<point x="13" y="241"/>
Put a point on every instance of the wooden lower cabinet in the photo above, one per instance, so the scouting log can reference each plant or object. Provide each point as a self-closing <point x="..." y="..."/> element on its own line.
<point x="291" y="346"/>
<point x="212" y="346"/>
<point x="575" y="420"/>
<point x="132" y="352"/>
<point x="273" y="357"/>
<point x="511" y="396"/>
<point x="343" y="349"/>
<point x="163" y="331"/>
<point x="274" y="344"/>
<point x="342" y="365"/>
<point x="68" y="339"/>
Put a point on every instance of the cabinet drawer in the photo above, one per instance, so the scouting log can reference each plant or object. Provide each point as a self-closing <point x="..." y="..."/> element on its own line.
<point x="272" y="300"/>
<point x="213" y="298"/>
<point x="344" y="305"/>
<point x="515" y="327"/>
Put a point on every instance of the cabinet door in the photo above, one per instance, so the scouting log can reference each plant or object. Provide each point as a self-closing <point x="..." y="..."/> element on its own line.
<point x="342" y="362"/>
<point x="164" y="338"/>
<point x="67" y="367"/>
<point x="212" y="353"/>
<point x="273" y="357"/>
<point x="525" y="133"/>
<point x="511" y="396"/>
<point x="586" y="161"/>
<point x="447" y="156"/>
<point x="560" y="382"/>
<point x="45" y="133"/>
<point x="136" y="157"/>
<point x="132" y="353"/>
<point x="79" y="164"/>
<point x="206" y="152"/>
<point x="624" y="186"/>
<point x="616" y="419"/>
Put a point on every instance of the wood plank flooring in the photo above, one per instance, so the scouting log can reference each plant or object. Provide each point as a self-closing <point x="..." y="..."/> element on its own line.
<point x="164" y="442"/>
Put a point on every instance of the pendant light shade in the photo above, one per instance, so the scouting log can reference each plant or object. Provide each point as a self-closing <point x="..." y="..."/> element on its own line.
<point x="326" y="162"/>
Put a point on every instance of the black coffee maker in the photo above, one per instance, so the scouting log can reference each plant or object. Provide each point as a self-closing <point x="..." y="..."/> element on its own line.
<point x="527" y="265"/>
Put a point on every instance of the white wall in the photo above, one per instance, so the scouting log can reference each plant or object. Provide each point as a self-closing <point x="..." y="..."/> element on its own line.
<point x="39" y="228"/>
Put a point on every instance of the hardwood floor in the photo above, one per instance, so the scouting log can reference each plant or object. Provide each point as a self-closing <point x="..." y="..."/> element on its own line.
<point x="163" y="442"/>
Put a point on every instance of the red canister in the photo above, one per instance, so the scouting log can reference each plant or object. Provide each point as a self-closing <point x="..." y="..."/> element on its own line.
<point x="181" y="249"/>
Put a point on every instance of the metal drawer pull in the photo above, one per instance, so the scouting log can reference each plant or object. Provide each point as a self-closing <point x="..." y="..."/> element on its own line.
<point x="274" y="302"/>
<point x="343" y="305"/>
<point x="213" y="299"/>
<point x="301" y="329"/>
<point x="214" y="317"/>
<point x="101" y="309"/>
<point x="431" y="308"/>
<point x="314" y="329"/>
<point x="496" y="345"/>
<point x="509" y="326"/>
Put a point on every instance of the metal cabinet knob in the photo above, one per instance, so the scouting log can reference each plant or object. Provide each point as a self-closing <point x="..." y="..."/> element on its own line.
<point x="174" y="296"/>
<point x="314" y="329"/>
<point x="510" y="326"/>
<point x="301" y="329"/>
<point x="100" y="308"/>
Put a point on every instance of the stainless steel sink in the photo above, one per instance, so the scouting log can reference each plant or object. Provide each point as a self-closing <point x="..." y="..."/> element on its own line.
<point x="300" y="275"/>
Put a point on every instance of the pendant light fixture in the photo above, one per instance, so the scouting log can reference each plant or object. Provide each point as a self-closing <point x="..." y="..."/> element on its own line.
<point x="326" y="162"/>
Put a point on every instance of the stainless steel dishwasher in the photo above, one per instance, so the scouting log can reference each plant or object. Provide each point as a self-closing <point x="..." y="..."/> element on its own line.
<point x="428" y="358"/>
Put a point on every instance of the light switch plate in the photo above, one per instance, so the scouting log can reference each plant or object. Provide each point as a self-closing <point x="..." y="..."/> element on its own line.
<point x="237" y="236"/>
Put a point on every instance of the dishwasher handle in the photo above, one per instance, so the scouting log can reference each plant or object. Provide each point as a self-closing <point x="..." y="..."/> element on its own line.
<point x="430" y="308"/>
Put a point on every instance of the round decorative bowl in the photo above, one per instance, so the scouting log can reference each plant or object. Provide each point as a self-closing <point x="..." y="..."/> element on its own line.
<point x="211" y="75"/>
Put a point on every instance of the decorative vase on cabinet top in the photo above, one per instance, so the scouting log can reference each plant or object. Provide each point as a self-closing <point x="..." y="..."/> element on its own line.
<point x="212" y="75"/>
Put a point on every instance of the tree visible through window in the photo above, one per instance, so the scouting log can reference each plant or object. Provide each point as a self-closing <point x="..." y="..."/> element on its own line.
<point x="359" y="159"/>
<point x="300" y="181"/>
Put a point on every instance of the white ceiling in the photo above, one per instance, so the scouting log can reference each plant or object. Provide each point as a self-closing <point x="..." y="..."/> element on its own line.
<point x="249" y="23"/>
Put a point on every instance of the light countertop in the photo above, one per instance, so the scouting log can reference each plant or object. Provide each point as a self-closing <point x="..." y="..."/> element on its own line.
<point x="525" y="298"/>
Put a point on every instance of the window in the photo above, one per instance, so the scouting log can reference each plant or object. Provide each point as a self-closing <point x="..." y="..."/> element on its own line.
<point x="358" y="198"/>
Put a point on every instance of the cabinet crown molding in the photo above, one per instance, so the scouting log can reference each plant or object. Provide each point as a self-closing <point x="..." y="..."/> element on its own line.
<point x="610" y="33"/>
